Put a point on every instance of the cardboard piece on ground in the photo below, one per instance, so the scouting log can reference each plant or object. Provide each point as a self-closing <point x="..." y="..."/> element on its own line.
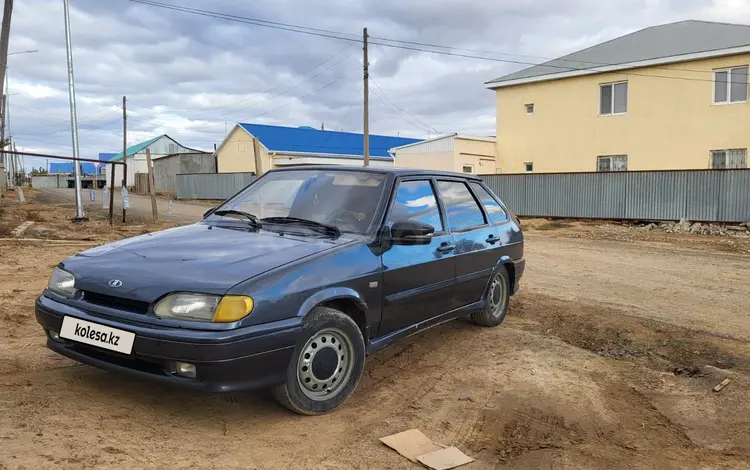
<point x="445" y="459"/>
<point x="411" y="444"/>
<point x="418" y="448"/>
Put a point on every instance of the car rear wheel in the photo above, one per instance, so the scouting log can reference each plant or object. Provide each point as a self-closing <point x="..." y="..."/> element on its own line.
<point x="497" y="301"/>
<point x="326" y="366"/>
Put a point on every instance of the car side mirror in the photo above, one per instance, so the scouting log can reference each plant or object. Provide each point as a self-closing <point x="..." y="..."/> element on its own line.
<point x="209" y="212"/>
<point x="411" y="232"/>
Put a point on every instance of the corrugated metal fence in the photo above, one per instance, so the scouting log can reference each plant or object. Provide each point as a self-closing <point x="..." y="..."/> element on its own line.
<point x="211" y="185"/>
<point x="699" y="195"/>
<point x="696" y="195"/>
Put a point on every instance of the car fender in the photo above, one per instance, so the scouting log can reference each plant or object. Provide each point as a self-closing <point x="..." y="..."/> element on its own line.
<point x="331" y="293"/>
<point x="501" y="262"/>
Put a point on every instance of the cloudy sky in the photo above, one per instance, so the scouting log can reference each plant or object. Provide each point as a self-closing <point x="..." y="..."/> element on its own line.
<point x="193" y="76"/>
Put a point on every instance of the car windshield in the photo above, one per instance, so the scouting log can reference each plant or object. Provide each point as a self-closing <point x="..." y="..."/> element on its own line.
<point x="346" y="200"/>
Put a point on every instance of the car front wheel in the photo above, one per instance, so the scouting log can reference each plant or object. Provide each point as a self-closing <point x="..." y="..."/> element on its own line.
<point x="326" y="366"/>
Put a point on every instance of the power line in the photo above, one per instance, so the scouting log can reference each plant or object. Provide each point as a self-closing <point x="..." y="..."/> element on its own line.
<point x="240" y="19"/>
<point x="341" y="36"/>
<point x="402" y="109"/>
<point x="356" y="98"/>
<point x="277" y="94"/>
<point x="417" y="126"/>
<point x="277" y="108"/>
<point x="479" y="51"/>
<point x="256" y="95"/>
<point x="295" y="86"/>
<point x="57" y="144"/>
<point x="303" y="97"/>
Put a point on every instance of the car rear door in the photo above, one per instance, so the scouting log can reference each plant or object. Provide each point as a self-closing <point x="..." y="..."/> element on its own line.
<point x="417" y="279"/>
<point x="475" y="240"/>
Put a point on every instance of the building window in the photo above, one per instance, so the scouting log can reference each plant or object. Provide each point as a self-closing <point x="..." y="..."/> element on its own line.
<point x="530" y="108"/>
<point x="731" y="158"/>
<point x="612" y="163"/>
<point x="468" y="169"/>
<point x="528" y="167"/>
<point x="730" y="85"/>
<point x="613" y="98"/>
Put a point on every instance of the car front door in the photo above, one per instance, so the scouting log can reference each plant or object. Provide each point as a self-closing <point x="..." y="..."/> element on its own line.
<point x="476" y="240"/>
<point x="417" y="279"/>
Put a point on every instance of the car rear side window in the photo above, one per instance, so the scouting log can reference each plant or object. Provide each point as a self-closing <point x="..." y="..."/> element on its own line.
<point x="460" y="205"/>
<point x="415" y="200"/>
<point x="493" y="208"/>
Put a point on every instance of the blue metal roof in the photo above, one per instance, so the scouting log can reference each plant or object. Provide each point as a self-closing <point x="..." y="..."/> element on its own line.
<point x="105" y="157"/>
<point x="314" y="141"/>
<point x="67" y="168"/>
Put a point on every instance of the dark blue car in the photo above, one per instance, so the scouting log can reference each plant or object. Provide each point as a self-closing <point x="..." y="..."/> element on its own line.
<point x="290" y="283"/>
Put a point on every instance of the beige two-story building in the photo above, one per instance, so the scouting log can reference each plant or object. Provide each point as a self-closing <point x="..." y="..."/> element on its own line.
<point x="673" y="96"/>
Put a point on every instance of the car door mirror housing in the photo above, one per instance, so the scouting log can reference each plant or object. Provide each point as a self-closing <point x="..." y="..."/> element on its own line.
<point x="411" y="232"/>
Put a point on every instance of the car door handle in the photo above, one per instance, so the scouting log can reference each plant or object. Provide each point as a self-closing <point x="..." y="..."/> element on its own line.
<point x="492" y="239"/>
<point x="445" y="248"/>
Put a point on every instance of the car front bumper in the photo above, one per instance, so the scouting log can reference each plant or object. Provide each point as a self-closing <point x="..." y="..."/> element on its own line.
<point x="226" y="361"/>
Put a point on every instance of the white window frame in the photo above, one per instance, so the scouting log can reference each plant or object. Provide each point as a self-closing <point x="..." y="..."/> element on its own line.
<point x="527" y="106"/>
<point x="611" y="158"/>
<point x="728" y="70"/>
<point x="627" y="102"/>
<point x="525" y="168"/>
<point x="726" y="162"/>
<point x="464" y="166"/>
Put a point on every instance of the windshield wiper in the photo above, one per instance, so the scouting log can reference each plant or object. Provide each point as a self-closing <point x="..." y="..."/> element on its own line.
<point x="252" y="218"/>
<point x="311" y="224"/>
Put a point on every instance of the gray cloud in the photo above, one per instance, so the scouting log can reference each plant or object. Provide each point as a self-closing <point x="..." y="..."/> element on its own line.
<point x="192" y="76"/>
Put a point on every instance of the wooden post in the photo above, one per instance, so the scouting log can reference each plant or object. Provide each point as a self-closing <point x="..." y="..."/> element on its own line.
<point x="258" y="161"/>
<point x="154" y="211"/>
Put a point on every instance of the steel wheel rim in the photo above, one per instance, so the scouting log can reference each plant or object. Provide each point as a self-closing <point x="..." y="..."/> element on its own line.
<point x="315" y="358"/>
<point x="497" y="298"/>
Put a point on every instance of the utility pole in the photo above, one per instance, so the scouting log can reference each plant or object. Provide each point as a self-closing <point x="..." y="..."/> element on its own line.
<point x="4" y="39"/>
<point x="367" y="101"/>
<point x="124" y="155"/>
<point x="80" y="215"/>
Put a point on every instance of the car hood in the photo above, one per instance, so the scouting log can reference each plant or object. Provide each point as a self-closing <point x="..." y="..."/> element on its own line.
<point x="194" y="258"/>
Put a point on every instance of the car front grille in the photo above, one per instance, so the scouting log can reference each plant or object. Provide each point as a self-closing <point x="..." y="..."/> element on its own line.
<point x="118" y="303"/>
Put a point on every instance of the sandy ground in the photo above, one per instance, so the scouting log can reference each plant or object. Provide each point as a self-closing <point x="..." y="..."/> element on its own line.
<point x="607" y="360"/>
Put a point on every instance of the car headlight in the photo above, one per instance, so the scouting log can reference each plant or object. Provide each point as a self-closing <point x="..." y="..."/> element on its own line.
<point x="204" y="307"/>
<point x="62" y="282"/>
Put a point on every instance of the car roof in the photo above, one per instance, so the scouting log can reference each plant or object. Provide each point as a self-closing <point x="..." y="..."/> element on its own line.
<point x="384" y="170"/>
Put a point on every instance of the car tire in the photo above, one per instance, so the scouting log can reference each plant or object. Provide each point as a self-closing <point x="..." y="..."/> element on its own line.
<point x="326" y="366"/>
<point x="497" y="300"/>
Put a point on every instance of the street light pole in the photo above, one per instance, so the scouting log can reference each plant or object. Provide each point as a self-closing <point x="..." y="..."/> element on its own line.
<point x="80" y="215"/>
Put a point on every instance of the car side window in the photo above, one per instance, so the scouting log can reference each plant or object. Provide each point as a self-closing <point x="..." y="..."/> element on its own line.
<point x="460" y="206"/>
<point x="493" y="208"/>
<point x="415" y="200"/>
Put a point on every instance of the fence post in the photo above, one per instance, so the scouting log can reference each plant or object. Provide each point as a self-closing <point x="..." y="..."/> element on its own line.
<point x="154" y="211"/>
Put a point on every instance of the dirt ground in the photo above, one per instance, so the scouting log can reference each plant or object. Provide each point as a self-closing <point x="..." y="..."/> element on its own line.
<point x="607" y="360"/>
